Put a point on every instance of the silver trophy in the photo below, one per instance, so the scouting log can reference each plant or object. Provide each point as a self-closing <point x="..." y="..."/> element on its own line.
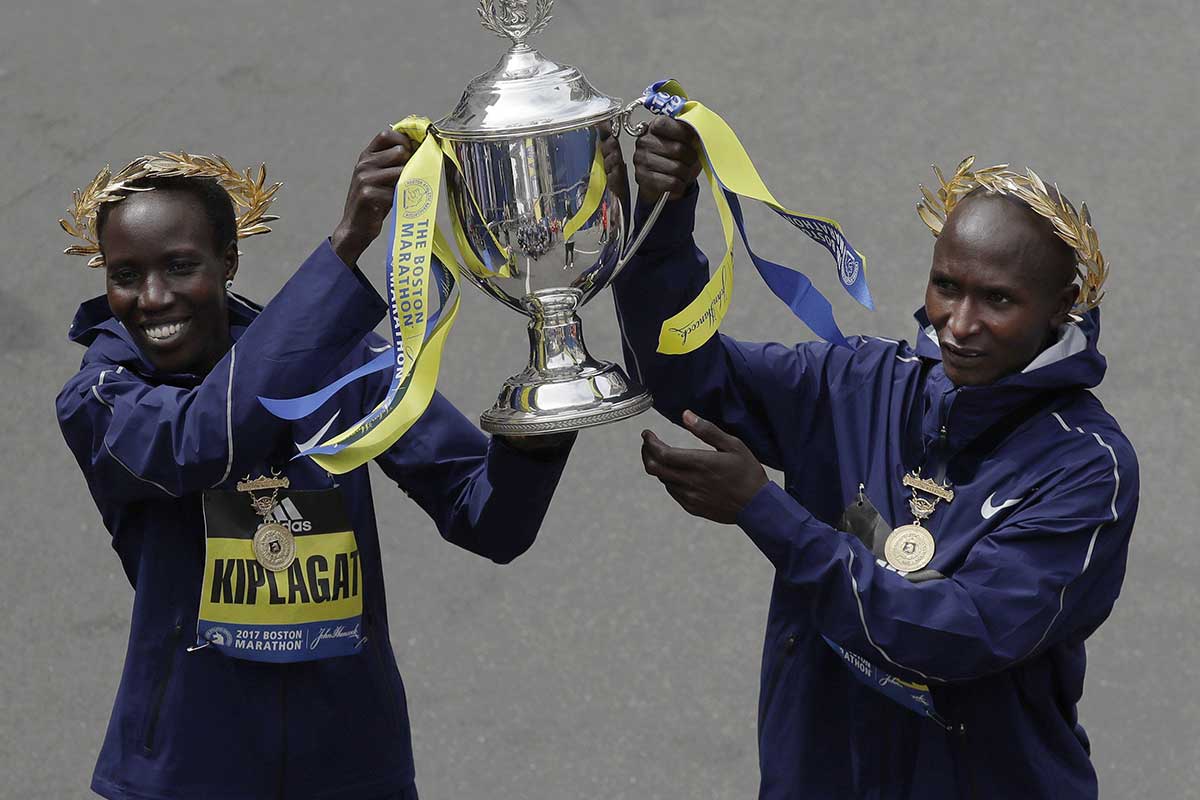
<point x="526" y="134"/>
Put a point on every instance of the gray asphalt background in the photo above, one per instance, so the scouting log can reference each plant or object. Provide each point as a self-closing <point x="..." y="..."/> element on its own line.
<point x="619" y="657"/>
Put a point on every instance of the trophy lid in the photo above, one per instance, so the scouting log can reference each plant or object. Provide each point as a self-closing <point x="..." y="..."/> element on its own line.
<point x="525" y="93"/>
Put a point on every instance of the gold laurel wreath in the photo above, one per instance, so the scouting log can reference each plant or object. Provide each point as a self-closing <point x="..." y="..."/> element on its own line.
<point x="1073" y="227"/>
<point x="248" y="190"/>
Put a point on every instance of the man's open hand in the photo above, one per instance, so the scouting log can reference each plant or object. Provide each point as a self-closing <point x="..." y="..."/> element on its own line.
<point x="714" y="484"/>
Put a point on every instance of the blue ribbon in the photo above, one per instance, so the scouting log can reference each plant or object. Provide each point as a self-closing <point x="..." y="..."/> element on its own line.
<point x="914" y="698"/>
<point x="301" y="407"/>
<point x="392" y="358"/>
<point x="790" y="285"/>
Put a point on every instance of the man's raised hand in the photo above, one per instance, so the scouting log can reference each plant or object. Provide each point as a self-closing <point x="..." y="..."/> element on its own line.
<point x="666" y="160"/>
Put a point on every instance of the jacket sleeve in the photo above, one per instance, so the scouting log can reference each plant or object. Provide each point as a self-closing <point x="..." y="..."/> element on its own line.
<point x="765" y="394"/>
<point x="1050" y="572"/>
<point x="136" y="440"/>
<point x="483" y="495"/>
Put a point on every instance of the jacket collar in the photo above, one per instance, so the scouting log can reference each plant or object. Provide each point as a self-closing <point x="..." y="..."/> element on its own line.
<point x="1072" y="362"/>
<point x="95" y="328"/>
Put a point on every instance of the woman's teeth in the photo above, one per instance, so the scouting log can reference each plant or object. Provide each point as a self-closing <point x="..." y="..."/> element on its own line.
<point x="160" y="332"/>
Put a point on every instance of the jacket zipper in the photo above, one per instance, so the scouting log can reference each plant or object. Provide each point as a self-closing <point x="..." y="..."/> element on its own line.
<point x="943" y="440"/>
<point x="960" y="734"/>
<point x="789" y="646"/>
<point x="283" y="732"/>
<point x="160" y="691"/>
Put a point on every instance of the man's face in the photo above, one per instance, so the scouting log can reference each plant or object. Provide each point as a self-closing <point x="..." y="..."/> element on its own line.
<point x="997" y="291"/>
<point x="165" y="279"/>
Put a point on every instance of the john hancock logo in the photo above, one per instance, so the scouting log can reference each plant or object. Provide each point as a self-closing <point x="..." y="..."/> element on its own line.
<point x="415" y="197"/>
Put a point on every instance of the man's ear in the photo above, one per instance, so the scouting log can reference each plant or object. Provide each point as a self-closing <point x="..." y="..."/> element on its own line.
<point x="231" y="260"/>
<point x="1067" y="296"/>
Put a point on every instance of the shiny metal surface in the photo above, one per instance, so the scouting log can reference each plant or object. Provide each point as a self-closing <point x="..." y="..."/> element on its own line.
<point x="513" y="19"/>
<point x="526" y="93"/>
<point x="563" y="387"/>
<point x="527" y="188"/>
<point x="526" y="135"/>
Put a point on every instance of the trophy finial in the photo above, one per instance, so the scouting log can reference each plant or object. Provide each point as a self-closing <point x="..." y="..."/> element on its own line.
<point x="513" y="20"/>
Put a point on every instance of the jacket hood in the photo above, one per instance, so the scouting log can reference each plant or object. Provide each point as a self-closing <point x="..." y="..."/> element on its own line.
<point x="1073" y="362"/>
<point x="95" y="328"/>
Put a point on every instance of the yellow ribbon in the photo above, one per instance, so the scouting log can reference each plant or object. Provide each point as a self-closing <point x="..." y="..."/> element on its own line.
<point x="591" y="199"/>
<point x="415" y="236"/>
<point x="721" y="154"/>
<point x="384" y="433"/>
<point x="700" y="319"/>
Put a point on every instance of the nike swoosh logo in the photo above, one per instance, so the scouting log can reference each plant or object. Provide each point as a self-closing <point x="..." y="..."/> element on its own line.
<point x="989" y="510"/>
<point x="314" y="441"/>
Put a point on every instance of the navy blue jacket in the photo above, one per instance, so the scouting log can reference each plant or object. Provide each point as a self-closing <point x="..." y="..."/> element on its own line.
<point x="201" y="724"/>
<point x="1032" y="549"/>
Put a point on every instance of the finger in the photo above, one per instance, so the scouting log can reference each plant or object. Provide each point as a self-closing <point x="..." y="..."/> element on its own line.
<point x="657" y="152"/>
<point x="388" y="138"/>
<point x="680" y="496"/>
<point x="654" y="451"/>
<point x="368" y="206"/>
<point x="710" y="434"/>
<point x="655" y="467"/>
<point x="384" y="159"/>
<point x="664" y="127"/>
<point x="381" y="178"/>
<point x="658" y="162"/>
<point x="651" y="447"/>
<point x="613" y="162"/>
<point x="666" y="475"/>
<point x="684" y="464"/>
<point x="671" y="148"/>
<point x="653" y="184"/>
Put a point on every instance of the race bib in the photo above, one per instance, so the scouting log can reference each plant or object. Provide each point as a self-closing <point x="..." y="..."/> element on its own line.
<point x="283" y="583"/>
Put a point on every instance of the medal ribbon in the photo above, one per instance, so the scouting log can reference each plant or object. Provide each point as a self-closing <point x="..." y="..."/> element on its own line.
<point x="731" y="173"/>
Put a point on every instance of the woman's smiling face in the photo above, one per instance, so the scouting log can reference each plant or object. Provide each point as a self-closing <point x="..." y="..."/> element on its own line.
<point x="165" y="278"/>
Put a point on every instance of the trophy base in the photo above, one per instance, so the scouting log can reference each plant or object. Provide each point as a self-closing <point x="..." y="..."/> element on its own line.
<point x="565" y="405"/>
<point x="563" y="388"/>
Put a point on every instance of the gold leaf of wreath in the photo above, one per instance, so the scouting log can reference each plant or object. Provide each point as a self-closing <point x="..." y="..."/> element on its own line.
<point x="249" y="191"/>
<point x="1073" y="227"/>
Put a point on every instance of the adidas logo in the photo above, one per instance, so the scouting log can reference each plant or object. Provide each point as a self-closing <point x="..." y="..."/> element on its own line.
<point x="286" y="514"/>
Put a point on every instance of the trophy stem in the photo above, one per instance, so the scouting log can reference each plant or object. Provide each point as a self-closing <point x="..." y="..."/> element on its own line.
<point x="563" y="388"/>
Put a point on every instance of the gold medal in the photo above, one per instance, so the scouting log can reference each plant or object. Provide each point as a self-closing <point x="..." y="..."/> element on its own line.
<point x="274" y="546"/>
<point x="909" y="548"/>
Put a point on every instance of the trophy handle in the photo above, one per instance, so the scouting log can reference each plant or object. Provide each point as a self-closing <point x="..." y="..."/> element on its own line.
<point x="621" y="120"/>
<point x="632" y="249"/>
<point x="621" y="123"/>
